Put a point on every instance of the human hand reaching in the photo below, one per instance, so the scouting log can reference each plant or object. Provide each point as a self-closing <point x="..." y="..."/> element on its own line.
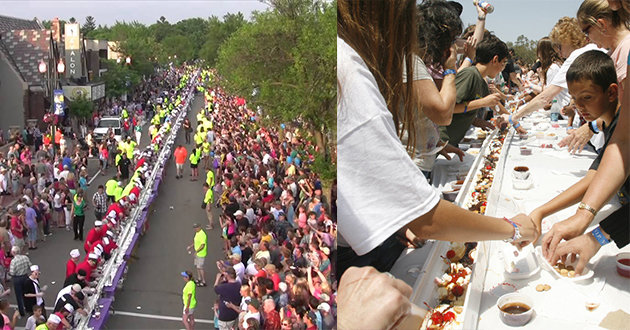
<point x="577" y="139"/>
<point x="581" y="248"/>
<point x="527" y="228"/>
<point x="566" y="229"/>
<point x="381" y="300"/>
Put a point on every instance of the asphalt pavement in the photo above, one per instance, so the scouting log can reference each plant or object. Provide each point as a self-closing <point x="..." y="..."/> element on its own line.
<point x="151" y="297"/>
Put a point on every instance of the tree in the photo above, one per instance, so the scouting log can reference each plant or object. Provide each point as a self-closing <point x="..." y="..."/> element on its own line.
<point x="81" y="107"/>
<point x="89" y="25"/>
<point x="217" y="32"/>
<point x="524" y="49"/>
<point x="290" y="59"/>
<point x="119" y="79"/>
<point x="72" y="20"/>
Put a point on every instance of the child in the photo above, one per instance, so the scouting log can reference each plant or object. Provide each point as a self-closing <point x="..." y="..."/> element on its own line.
<point x="36" y="319"/>
<point x="472" y="90"/>
<point x="592" y="82"/>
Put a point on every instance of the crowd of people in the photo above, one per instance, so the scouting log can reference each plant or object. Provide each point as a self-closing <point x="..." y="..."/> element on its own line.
<point x="278" y="231"/>
<point x="386" y="121"/>
<point x="51" y="190"/>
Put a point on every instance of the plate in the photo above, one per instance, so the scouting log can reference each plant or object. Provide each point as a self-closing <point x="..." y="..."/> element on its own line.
<point x="589" y="272"/>
<point x="520" y="276"/>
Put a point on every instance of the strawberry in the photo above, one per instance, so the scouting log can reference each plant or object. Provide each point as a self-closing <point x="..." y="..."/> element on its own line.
<point x="458" y="291"/>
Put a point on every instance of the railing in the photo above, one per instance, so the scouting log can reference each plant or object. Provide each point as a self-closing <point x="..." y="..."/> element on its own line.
<point x="99" y="303"/>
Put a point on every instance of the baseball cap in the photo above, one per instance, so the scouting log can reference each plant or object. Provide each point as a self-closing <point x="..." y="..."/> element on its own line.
<point x="186" y="274"/>
<point x="196" y="225"/>
<point x="239" y="212"/>
<point x="76" y="287"/>
<point x="34" y="268"/>
<point x="98" y="223"/>
<point x="324" y="307"/>
<point x="69" y="308"/>
<point x="75" y="253"/>
<point x="54" y="319"/>
<point x="254" y="302"/>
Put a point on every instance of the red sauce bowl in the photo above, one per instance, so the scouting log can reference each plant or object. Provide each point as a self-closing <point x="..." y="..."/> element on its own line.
<point x="623" y="264"/>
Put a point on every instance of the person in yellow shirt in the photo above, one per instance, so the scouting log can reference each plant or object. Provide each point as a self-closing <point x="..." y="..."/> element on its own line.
<point x="190" y="301"/>
<point x="118" y="192"/>
<point x="208" y="200"/>
<point x="206" y="147"/>
<point x="200" y="246"/>
<point x="110" y="189"/>
<point x="195" y="156"/>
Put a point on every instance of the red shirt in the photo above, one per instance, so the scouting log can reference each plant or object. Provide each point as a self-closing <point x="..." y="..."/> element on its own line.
<point x="85" y="265"/>
<point x="93" y="235"/>
<point x="118" y="209"/>
<point x="180" y="155"/>
<point x="140" y="163"/>
<point x="60" y="326"/>
<point x="17" y="227"/>
<point x="136" y="191"/>
<point x="276" y="281"/>
<point x="71" y="267"/>
<point x="108" y="248"/>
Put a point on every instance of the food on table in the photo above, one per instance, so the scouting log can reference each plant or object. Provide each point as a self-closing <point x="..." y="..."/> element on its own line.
<point x="543" y="287"/>
<point x="564" y="270"/>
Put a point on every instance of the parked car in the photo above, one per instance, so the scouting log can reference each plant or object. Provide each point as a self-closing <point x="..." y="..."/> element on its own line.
<point x="107" y="123"/>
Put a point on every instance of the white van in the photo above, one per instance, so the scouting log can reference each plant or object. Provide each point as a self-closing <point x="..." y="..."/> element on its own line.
<point x="105" y="124"/>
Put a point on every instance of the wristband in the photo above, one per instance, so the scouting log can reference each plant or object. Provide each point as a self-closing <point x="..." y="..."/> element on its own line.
<point x="466" y="106"/>
<point x="469" y="60"/>
<point x="594" y="127"/>
<point x="510" y="120"/>
<point x="517" y="125"/>
<point x="584" y="206"/>
<point x="448" y="71"/>
<point x="569" y="127"/>
<point x="599" y="236"/>
<point x="517" y="232"/>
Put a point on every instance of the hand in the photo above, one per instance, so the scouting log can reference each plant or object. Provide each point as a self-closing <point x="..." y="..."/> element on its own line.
<point x="567" y="110"/>
<point x="451" y="149"/>
<point x="452" y="58"/>
<point x="492" y="100"/>
<point x="521" y="130"/>
<point x="536" y="218"/>
<point x="577" y="139"/>
<point x="527" y="228"/>
<point x="470" y="48"/>
<point x="480" y="12"/>
<point x="483" y="124"/>
<point x="186" y="310"/>
<point x="585" y="246"/>
<point x="566" y="229"/>
<point x="381" y="300"/>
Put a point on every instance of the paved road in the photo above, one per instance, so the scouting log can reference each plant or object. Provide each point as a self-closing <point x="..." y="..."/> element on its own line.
<point x="153" y="282"/>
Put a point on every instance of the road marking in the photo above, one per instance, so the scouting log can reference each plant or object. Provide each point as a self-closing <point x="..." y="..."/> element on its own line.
<point x="94" y="177"/>
<point x="160" y="317"/>
<point x="146" y="316"/>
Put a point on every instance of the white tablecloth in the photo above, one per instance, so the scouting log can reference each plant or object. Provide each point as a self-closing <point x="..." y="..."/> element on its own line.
<point x="553" y="171"/>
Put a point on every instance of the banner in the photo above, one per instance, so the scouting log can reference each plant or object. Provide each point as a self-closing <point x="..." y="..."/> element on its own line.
<point x="59" y="102"/>
<point x="74" y="69"/>
<point x="72" y="92"/>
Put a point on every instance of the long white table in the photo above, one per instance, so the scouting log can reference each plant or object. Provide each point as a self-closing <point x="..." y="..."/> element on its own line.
<point x="552" y="171"/>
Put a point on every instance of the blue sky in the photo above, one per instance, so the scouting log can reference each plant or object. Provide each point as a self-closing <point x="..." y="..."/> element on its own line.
<point x="143" y="11"/>
<point x="511" y="18"/>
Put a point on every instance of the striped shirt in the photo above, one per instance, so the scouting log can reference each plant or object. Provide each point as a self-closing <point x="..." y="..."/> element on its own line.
<point x="20" y="265"/>
<point x="100" y="202"/>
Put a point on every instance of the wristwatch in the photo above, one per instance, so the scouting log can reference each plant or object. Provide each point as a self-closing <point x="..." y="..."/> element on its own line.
<point x="584" y="206"/>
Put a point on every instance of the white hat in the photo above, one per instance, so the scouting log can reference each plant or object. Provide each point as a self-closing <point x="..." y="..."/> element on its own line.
<point x="75" y="253"/>
<point x="34" y="268"/>
<point x="92" y="256"/>
<point x="99" y="247"/>
<point x="69" y="308"/>
<point x="120" y="183"/>
<point x="53" y="318"/>
<point x="122" y="202"/>
<point x="98" y="223"/>
<point x="324" y="307"/>
<point x="132" y="197"/>
<point x="239" y="212"/>
<point x="109" y="233"/>
<point x="20" y="207"/>
<point x="105" y="240"/>
<point x="112" y="220"/>
<point x="98" y="252"/>
<point x="283" y="286"/>
<point x="76" y="287"/>
<point x="112" y="214"/>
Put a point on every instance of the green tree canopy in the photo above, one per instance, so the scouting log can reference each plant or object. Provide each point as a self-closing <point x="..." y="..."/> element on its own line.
<point x="289" y="56"/>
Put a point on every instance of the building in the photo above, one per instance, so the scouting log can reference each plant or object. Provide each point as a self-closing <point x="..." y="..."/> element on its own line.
<point x="24" y="44"/>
